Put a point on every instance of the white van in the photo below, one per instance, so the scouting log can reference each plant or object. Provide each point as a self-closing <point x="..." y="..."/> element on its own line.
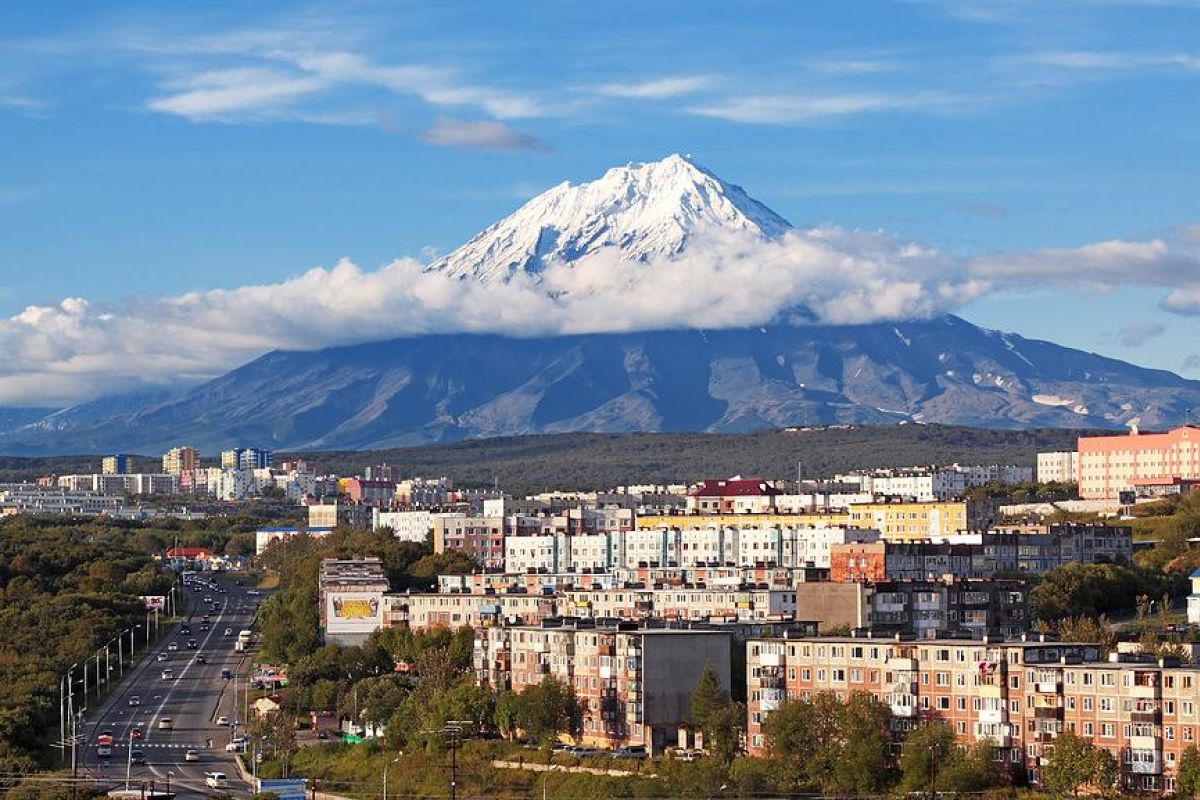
<point x="216" y="780"/>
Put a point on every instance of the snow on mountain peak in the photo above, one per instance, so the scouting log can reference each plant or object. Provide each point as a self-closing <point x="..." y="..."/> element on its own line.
<point x="643" y="209"/>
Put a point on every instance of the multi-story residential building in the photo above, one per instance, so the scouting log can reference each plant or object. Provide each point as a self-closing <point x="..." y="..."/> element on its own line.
<point x="23" y="498"/>
<point x="425" y="610"/>
<point x="737" y="495"/>
<point x="179" y="460"/>
<point x="682" y="603"/>
<point x="371" y="491"/>
<point x="734" y="540"/>
<point x="1193" y="600"/>
<point x="1057" y="467"/>
<point x="115" y="465"/>
<point x="981" y="555"/>
<point x="408" y="526"/>
<point x="330" y="515"/>
<point x="137" y="483"/>
<point x="351" y="599"/>
<point x="481" y="538"/>
<point x="1109" y="465"/>
<point x="912" y="485"/>
<point x="1018" y="696"/>
<point x="634" y="683"/>
<point x="263" y="537"/>
<point x="423" y="492"/>
<point x="248" y="458"/>
<point x="906" y="521"/>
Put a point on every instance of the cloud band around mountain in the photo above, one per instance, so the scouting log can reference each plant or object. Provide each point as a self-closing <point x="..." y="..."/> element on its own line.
<point x="75" y="350"/>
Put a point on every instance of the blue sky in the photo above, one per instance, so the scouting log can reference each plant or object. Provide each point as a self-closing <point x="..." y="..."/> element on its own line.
<point x="153" y="150"/>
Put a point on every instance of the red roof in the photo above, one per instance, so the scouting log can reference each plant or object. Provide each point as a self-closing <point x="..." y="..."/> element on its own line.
<point x="189" y="552"/>
<point x="734" y="487"/>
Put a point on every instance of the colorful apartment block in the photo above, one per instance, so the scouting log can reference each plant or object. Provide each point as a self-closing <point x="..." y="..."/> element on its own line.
<point x="1018" y="696"/>
<point x="1109" y="465"/>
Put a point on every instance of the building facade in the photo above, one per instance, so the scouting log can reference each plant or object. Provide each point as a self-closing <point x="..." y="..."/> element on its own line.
<point x="1109" y="465"/>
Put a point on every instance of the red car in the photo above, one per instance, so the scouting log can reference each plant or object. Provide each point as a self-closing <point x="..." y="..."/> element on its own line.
<point x="135" y="733"/>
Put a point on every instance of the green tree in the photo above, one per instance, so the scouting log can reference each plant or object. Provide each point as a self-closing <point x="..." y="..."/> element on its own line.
<point x="707" y="697"/>
<point x="275" y="733"/>
<point x="547" y="709"/>
<point x="1075" y="762"/>
<point x="1188" y="775"/>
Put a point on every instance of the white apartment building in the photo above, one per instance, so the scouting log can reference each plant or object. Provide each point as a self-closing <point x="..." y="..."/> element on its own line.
<point x="408" y="526"/>
<point x="1058" y="467"/>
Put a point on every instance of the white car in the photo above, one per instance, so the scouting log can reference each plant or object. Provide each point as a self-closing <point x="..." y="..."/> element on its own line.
<point x="215" y="779"/>
<point x="222" y="721"/>
<point x="164" y="724"/>
<point x="191" y="755"/>
<point x="235" y="747"/>
<point x="173" y="647"/>
<point x="168" y="675"/>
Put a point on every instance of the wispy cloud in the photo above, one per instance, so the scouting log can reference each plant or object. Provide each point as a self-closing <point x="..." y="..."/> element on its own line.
<point x="788" y="109"/>
<point x="658" y="89"/>
<point x="1139" y="333"/>
<point x="480" y="135"/>
<point x="851" y="66"/>
<point x="1114" y="60"/>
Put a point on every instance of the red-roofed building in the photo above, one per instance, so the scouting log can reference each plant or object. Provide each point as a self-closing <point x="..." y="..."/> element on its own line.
<point x="201" y="554"/>
<point x="737" y="495"/>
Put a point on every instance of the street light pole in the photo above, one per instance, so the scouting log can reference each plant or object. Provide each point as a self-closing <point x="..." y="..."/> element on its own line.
<point x="385" y="772"/>
<point x="121" y="652"/>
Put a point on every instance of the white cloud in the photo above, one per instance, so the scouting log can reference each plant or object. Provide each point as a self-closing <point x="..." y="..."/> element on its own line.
<point x="1115" y="60"/>
<point x="658" y="89"/>
<point x="258" y="75"/>
<point x="479" y="135"/>
<point x="787" y="109"/>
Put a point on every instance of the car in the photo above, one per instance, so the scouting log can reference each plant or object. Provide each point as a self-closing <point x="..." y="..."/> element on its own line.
<point x="216" y="780"/>
<point x="235" y="747"/>
<point x="191" y="755"/>
<point x="104" y="750"/>
<point x="134" y="700"/>
<point x="195" y="588"/>
<point x="208" y="600"/>
<point x="226" y="674"/>
<point x="137" y="757"/>
<point x="228" y="632"/>
<point x="204" y="626"/>
<point x="162" y="657"/>
<point x="253" y="593"/>
<point x="241" y="738"/>
<point x="239" y="583"/>
<point x="185" y="628"/>
<point x="165" y="724"/>
<point x="135" y="733"/>
<point x="222" y="720"/>
<point x="200" y="659"/>
<point x="168" y="675"/>
<point x="631" y="752"/>
<point x="105" y="737"/>
<point x="322" y="735"/>
<point x="191" y="644"/>
<point x="173" y="646"/>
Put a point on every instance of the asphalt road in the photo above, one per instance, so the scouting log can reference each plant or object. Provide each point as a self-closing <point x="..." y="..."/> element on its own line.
<point x="192" y="699"/>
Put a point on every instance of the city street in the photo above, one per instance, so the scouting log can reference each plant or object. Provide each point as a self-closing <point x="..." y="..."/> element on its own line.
<point x="177" y="712"/>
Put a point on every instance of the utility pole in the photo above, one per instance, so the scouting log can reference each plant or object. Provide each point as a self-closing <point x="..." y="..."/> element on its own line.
<point x="933" y="772"/>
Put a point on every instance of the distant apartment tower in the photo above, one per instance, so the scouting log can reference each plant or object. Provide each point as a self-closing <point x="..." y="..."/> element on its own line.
<point x="1058" y="467"/>
<point x="1109" y="465"/>
<point x="179" y="460"/>
<point x="115" y="465"/>
<point x="246" y="458"/>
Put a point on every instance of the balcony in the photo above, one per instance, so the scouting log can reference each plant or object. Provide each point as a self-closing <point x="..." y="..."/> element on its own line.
<point x="902" y="664"/>
<point x="1146" y="717"/>
<point x="1048" y="687"/>
<point x="905" y="711"/>
<point x="770" y="659"/>
<point x="1145" y="743"/>
<point x="772" y="682"/>
<point x="995" y="739"/>
<point x="1048" y="713"/>
<point x="991" y="715"/>
<point x="1148" y="692"/>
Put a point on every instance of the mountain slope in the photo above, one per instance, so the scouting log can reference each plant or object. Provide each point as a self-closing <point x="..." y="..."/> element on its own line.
<point x="450" y="387"/>
<point x="642" y="210"/>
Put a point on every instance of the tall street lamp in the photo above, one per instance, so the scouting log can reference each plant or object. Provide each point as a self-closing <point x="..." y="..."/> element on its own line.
<point x="385" y="772"/>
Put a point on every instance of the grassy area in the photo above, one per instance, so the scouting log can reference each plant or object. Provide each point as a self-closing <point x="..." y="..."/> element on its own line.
<point x="269" y="580"/>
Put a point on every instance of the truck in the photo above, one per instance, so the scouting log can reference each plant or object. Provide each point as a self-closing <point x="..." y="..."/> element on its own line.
<point x="244" y="640"/>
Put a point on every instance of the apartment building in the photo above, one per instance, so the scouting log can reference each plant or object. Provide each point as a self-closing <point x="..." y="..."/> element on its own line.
<point x="730" y="540"/>
<point x="330" y="515"/>
<point x="682" y="603"/>
<point x="1109" y="465"/>
<point x="737" y="495"/>
<point x="634" y="683"/>
<point x="908" y="521"/>
<point x="481" y="538"/>
<point x="179" y="460"/>
<point x="1018" y="696"/>
<point x="424" y="610"/>
<point x="351" y="599"/>
<point x="1058" y="467"/>
<point x="979" y="555"/>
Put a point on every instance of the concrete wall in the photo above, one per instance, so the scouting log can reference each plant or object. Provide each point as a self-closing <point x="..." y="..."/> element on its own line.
<point x="674" y="662"/>
<point x="832" y="604"/>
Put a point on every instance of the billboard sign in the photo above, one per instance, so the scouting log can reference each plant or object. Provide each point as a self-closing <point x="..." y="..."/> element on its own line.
<point x="154" y="602"/>
<point x="285" y="788"/>
<point x="353" y="612"/>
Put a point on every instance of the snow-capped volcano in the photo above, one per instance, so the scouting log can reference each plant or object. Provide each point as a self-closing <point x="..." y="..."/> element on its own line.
<point x="644" y="210"/>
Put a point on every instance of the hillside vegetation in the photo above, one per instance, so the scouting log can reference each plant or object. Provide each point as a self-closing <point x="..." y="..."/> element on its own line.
<point x="591" y="460"/>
